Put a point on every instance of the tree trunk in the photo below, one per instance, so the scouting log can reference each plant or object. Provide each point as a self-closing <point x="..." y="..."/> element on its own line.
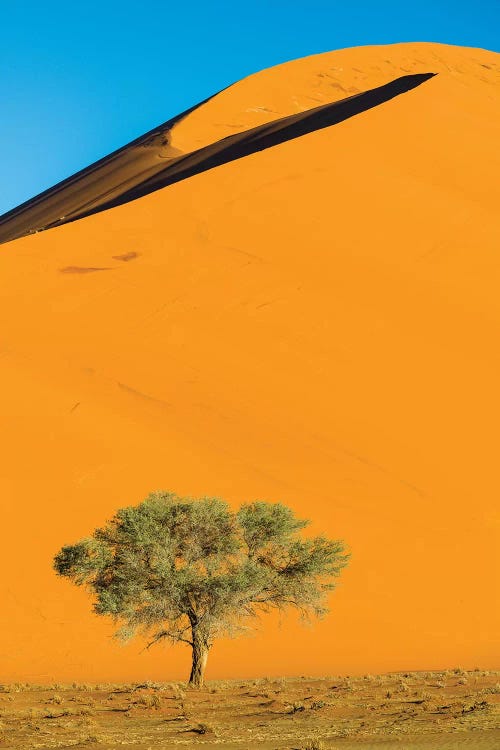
<point x="200" y="656"/>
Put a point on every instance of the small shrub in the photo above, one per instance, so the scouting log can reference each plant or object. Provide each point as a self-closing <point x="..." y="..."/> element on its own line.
<point x="314" y="745"/>
<point x="14" y="688"/>
<point x="56" y="698"/>
<point x="203" y="728"/>
<point x="423" y="695"/>
<point x="56" y="714"/>
<point x="154" y="702"/>
<point x="317" y="705"/>
<point x="149" y="701"/>
<point x="81" y="687"/>
<point x="84" y="711"/>
<point x="475" y="706"/>
<point x="148" y="685"/>
<point x="344" y="732"/>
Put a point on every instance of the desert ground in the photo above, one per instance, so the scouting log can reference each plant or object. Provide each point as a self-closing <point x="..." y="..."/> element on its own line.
<point x="408" y="711"/>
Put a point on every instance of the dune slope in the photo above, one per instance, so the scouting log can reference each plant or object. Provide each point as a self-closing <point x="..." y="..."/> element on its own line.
<point x="314" y="323"/>
<point x="151" y="163"/>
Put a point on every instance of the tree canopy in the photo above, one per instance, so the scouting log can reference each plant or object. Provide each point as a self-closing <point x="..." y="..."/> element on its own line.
<point x="191" y="570"/>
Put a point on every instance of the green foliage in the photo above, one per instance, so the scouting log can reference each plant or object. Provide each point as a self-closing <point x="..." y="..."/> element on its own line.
<point x="180" y="568"/>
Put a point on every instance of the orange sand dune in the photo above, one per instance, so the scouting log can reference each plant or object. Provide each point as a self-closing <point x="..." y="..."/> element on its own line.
<point x="312" y="81"/>
<point x="189" y="142"/>
<point x="150" y="163"/>
<point x="314" y="323"/>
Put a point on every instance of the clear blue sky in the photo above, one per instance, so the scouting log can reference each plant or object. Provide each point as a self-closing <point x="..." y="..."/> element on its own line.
<point x="79" y="79"/>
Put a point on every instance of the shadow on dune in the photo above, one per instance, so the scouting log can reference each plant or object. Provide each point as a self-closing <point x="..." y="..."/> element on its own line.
<point x="149" y="163"/>
<point x="104" y="179"/>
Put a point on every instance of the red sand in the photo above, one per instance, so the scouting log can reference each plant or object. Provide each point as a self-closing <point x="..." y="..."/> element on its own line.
<point x="316" y="323"/>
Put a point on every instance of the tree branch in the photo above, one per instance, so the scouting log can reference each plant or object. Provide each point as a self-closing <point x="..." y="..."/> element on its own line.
<point x="175" y="636"/>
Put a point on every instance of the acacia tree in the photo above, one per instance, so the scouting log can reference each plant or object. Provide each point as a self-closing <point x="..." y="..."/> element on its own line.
<point x="191" y="570"/>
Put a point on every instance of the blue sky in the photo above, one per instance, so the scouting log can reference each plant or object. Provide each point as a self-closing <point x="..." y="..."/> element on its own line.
<point x="79" y="79"/>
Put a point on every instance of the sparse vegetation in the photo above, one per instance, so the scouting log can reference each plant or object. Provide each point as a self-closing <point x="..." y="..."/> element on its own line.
<point x="149" y="701"/>
<point x="317" y="705"/>
<point x="56" y="698"/>
<point x="305" y="713"/>
<point x="203" y="728"/>
<point x="314" y="745"/>
<point x="188" y="571"/>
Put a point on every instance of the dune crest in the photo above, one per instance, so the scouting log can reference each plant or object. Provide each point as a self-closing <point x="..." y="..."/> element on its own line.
<point x="123" y="177"/>
<point x="196" y="139"/>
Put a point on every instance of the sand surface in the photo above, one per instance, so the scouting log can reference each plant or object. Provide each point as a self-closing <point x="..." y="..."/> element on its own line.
<point x="315" y="323"/>
<point x="183" y="145"/>
<point x="151" y="163"/>
<point x="423" y="711"/>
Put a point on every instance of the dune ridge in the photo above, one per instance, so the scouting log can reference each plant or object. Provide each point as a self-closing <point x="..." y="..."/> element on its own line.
<point x="151" y="164"/>
<point x="325" y="79"/>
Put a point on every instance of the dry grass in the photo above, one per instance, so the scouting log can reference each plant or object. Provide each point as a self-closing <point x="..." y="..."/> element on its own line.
<point x="421" y="710"/>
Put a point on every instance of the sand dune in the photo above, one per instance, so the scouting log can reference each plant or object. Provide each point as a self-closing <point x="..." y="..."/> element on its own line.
<point x="288" y="90"/>
<point x="150" y="163"/>
<point x="315" y="322"/>
<point x="301" y="84"/>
